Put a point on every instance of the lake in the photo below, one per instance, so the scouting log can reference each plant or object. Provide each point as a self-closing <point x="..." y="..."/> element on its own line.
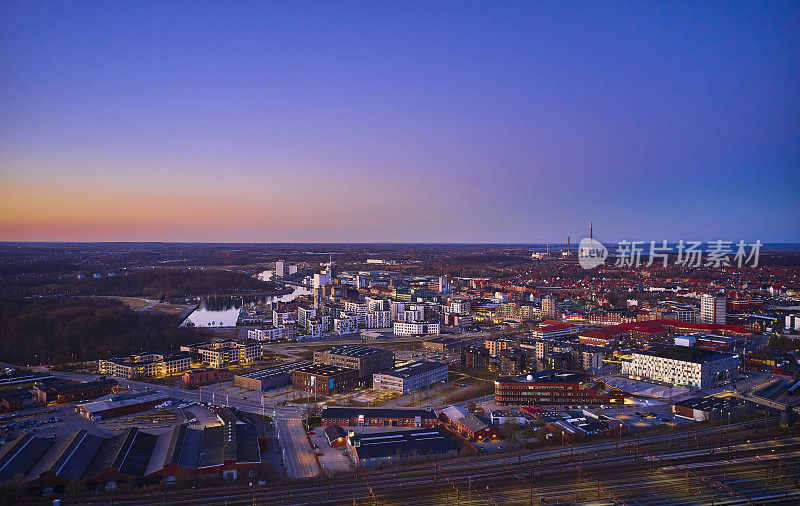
<point x="224" y="311"/>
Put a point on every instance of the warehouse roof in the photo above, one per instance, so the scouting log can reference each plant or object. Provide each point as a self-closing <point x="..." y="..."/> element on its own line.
<point x="353" y="350"/>
<point x="334" y="412"/>
<point x="413" y="369"/>
<point x="402" y="443"/>
<point x="685" y="354"/>
<point x="122" y="400"/>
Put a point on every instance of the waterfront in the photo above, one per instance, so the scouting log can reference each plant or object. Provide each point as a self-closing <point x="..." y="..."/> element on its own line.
<point x="224" y="311"/>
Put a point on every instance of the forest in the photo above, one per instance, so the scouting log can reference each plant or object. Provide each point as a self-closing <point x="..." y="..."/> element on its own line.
<point x="156" y="283"/>
<point x="71" y="329"/>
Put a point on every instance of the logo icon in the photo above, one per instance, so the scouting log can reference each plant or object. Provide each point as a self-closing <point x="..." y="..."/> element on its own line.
<point x="591" y="253"/>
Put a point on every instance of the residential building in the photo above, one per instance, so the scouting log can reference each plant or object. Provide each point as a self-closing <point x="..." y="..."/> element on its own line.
<point x="145" y="365"/>
<point x="218" y="354"/>
<point x="415" y="328"/>
<point x="265" y="334"/>
<point x="712" y="309"/>
<point x="345" y="324"/>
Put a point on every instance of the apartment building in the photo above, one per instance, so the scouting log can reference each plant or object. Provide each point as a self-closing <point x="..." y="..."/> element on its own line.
<point x="345" y="324"/>
<point x="416" y="328"/>
<point x="145" y="365"/>
<point x="553" y="387"/>
<point x="712" y="309"/>
<point x="224" y="353"/>
<point x="265" y="334"/>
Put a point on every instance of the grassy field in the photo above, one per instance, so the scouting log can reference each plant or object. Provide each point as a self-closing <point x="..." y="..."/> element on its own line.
<point x="134" y="303"/>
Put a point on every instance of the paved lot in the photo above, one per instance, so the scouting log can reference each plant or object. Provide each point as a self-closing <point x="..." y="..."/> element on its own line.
<point x="331" y="459"/>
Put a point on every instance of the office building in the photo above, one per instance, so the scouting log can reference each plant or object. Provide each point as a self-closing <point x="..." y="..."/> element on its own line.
<point x="270" y="377"/>
<point x="554" y="387"/>
<point x="410" y="377"/>
<point x="365" y="360"/>
<point x="683" y="366"/>
<point x="324" y="380"/>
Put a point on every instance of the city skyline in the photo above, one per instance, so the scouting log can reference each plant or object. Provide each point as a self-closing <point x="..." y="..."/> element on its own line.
<point x="429" y="123"/>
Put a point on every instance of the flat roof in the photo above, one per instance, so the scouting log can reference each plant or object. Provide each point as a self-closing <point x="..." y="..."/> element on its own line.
<point x="685" y="354"/>
<point x="408" y="442"/>
<point x="353" y="350"/>
<point x="711" y="403"/>
<point x="350" y="412"/>
<point x="116" y="402"/>
<point x="413" y="369"/>
<point x="325" y="370"/>
<point x="277" y="370"/>
<point x="549" y="376"/>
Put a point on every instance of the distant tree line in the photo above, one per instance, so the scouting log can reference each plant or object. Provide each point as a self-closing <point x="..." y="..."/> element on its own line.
<point x="70" y="329"/>
<point x="153" y="283"/>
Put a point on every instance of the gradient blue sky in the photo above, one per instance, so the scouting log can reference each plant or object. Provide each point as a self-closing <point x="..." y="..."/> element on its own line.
<point x="399" y="121"/>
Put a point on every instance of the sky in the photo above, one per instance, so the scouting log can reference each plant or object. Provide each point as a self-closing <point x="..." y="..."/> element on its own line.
<point x="428" y="121"/>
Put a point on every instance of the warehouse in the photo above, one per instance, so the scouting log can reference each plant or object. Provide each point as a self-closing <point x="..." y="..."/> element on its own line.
<point x="377" y="417"/>
<point x="371" y="450"/>
<point x="269" y="378"/>
<point x="60" y="391"/>
<point x="711" y="408"/>
<point x="120" y="405"/>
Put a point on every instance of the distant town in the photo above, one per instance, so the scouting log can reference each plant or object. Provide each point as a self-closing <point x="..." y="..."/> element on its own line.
<point x="341" y="373"/>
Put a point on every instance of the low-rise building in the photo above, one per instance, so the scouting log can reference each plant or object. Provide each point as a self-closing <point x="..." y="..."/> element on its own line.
<point x="120" y="405"/>
<point x="265" y="334"/>
<point x="470" y="426"/>
<point x="145" y="365"/>
<point x="269" y="378"/>
<point x="366" y="360"/>
<point x="377" y="417"/>
<point x="60" y="391"/>
<point x="371" y="450"/>
<point x="219" y="354"/>
<point x="711" y="408"/>
<point x="442" y="344"/>
<point x="208" y="375"/>
<point x="415" y="328"/>
<point x="324" y="380"/>
<point x="410" y="377"/>
<point x="554" y="387"/>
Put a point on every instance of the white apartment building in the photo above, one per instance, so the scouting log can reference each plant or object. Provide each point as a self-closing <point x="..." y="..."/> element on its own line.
<point x="378" y="320"/>
<point x="395" y="308"/>
<point x="414" y="328"/>
<point x="683" y="366"/>
<point x="145" y="365"/>
<point x="305" y="315"/>
<point x="712" y="309"/>
<point x="459" y="306"/>
<point x="345" y="324"/>
<point x="281" y="317"/>
<point x="280" y="268"/>
<point x="359" y="309"/>
<point x="444" y="284"/>
<point x="266" y="334"/>
<point x="377" y="304"/>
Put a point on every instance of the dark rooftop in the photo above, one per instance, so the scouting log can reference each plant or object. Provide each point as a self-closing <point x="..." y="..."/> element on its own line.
<point x="402" y="443"/>
<point x="685" y="353"/>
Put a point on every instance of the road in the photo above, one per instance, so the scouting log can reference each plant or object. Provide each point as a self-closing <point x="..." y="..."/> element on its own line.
<point x="298" y="457"/>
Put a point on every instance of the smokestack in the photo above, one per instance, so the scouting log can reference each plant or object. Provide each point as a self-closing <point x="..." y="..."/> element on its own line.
<point x="590" y="230"/>
<point x="567" y="244"/>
